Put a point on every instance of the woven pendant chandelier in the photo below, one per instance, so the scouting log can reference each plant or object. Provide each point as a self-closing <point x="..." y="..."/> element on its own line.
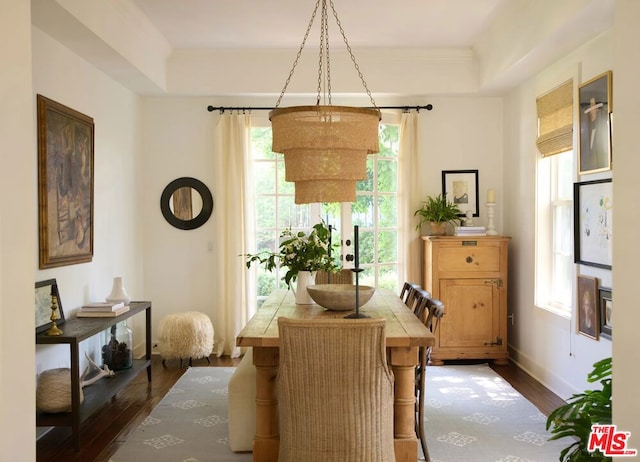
<point x="325" y="147"/>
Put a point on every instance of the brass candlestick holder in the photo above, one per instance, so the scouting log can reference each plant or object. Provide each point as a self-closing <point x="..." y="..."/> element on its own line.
<point x="54" y="330"/>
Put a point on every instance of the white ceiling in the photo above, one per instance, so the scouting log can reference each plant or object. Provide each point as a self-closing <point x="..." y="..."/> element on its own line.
<point x="198" y="24"/>
<point x="240" y="47"/>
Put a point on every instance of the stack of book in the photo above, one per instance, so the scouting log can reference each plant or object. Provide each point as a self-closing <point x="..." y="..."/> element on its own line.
<point x="102" y="310"/>
<point x="470" y="231"/>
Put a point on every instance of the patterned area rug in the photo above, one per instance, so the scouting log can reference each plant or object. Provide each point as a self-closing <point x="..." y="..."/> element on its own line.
<point x="188" y="425"/>
<point x="472" y="415"/>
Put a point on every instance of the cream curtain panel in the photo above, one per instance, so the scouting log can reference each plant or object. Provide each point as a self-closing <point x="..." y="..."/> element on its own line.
<point x="408" y="199"/>
<point x="555" y="120"/>
<point x="233" y="226"/>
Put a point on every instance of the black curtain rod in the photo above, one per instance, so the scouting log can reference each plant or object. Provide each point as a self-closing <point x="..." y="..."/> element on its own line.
<point x="428" y="107"/>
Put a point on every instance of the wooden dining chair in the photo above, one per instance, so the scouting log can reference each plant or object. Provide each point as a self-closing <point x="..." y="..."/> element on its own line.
<point x="430" y="316"/>
<point x="407" y="294"/>
<point x="419" y="301"/>
<point x="335" y="391"/>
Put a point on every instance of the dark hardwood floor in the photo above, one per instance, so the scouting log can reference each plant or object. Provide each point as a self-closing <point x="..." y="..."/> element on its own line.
<point x="103" y="433"/>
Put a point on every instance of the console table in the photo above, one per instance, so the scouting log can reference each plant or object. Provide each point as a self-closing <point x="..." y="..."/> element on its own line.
<point x="75" y="330"/>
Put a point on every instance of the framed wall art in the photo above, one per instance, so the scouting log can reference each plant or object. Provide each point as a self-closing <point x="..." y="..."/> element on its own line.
<point x="44" y="291"/>
<point x="606" y="312"/>
<point x="65" y="184"/>
<point x="588" y="307"/>
<point x="461" y="188"/>
<point x="595" y="124"/>
<point x="593" y="223"/>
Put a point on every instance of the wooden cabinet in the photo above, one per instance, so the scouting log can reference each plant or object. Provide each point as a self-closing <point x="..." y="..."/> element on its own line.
<point x="76" y="330"/>
<point x="469" y="275"/>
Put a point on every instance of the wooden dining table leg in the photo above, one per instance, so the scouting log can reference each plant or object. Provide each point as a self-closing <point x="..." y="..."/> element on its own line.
<point x="403" y="361"/>
<point x="267" y="439"/>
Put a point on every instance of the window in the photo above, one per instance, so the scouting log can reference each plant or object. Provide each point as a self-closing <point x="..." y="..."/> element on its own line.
<point x="375" y="210"/>
<point x="376" y="214"/>
<point x="554" y="247"/>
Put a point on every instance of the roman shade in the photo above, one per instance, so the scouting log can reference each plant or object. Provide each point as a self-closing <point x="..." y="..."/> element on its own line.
<point x="555" y="120"/>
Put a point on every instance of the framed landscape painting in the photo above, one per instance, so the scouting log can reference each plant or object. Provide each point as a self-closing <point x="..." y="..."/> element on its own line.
<point x="65" y="185"/>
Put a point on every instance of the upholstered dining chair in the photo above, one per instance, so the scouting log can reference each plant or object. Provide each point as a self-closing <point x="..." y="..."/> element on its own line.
<point x="335" y="391"/>
<point x="430" y="316"/>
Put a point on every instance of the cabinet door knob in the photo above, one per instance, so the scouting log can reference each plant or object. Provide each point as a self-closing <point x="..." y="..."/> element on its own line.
<point x="469" y="260"/>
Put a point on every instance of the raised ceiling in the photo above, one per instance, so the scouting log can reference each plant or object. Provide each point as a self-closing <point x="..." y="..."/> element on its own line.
<point x="239" y="48"/>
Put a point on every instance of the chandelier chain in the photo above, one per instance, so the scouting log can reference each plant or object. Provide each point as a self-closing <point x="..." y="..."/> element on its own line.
<point x="328" y="61"/>
<point x="321" y="56"/>
<point x="353" y="58"/>
<point x="324" y="55"/>
<point x="295" y="62"/>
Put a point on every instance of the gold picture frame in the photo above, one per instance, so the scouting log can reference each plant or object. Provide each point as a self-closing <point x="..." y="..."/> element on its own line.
<point x="596" y="107"/>
<point x="44" y="292"/>
<point x="65" y="184"/>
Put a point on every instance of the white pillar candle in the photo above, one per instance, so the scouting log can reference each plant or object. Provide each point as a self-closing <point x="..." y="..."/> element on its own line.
<point x="491" y="195"/>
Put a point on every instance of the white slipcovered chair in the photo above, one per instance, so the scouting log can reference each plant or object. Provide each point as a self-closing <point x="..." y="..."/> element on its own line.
<point x="242" y="405"/>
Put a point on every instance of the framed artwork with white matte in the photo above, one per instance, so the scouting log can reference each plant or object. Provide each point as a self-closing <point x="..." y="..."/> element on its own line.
<point x="461" y="188"/>
<point x="593" y="223"/>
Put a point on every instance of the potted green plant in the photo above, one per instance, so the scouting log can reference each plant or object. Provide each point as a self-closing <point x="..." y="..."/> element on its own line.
<point x="437" y="212"/>
<point x="574" y="419"/>
<point x="300" y="253"/>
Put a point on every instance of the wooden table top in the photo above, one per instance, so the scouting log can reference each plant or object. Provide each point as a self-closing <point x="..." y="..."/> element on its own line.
<point x="403" y="328"/>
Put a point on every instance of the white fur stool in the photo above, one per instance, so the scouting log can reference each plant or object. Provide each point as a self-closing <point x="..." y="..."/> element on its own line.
<point x="185" y="335"/>
<point x="242" y="405"/>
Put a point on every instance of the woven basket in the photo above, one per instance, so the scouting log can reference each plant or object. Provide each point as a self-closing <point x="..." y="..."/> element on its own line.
<point x="53" y="393"/>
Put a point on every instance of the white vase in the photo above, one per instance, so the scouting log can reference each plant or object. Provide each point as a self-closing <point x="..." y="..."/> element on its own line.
<point x="118" y="294"/>
<point x="305" y="278"/>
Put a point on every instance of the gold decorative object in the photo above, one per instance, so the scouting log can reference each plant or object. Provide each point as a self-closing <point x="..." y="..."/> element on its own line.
<point x="325" y="147"/>
<point x="54" y="329"/>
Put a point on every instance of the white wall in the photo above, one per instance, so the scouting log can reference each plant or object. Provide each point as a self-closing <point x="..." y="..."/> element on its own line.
<point x="626" y="215"/>
<point x="179" y="264"/>
<point x="556" y="354"/>
<point x="18" y="227"/>
<point x="118" y="229"/>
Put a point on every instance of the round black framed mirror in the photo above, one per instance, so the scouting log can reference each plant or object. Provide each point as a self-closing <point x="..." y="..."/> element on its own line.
<point x="186" y="203"/>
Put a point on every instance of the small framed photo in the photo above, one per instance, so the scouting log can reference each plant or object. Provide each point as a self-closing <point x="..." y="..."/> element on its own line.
<point x="606" y="311"/>
<point x="588" y="323"/>
<point x="593" y="223"/>
<point x="461" y="188"/>
<point x="595" y="124"/>
<point x="44" y="291"/>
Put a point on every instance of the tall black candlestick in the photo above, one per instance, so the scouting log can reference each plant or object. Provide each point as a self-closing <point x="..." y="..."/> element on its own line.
<point x="356" y="250"/>
<point x="329" y="254"/>
<point x="356" y="269"/>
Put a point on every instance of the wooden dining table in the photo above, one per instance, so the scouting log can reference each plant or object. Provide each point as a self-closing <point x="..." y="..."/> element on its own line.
<point x="404" y="335"/>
